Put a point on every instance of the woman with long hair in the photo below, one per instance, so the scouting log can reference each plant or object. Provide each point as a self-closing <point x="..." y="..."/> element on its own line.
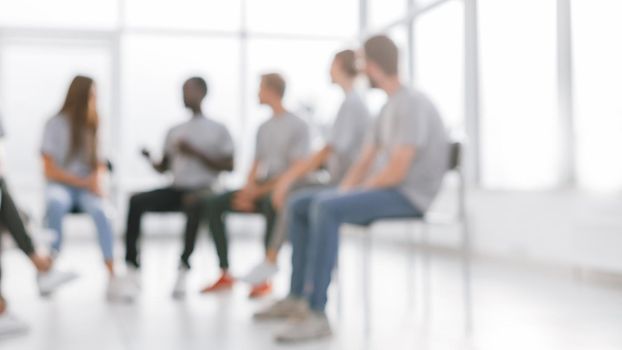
<point x="73" y="169"/>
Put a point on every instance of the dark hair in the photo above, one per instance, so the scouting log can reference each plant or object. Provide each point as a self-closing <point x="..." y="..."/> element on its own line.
<point x="83" y="129"/>
<point x="200" y="83"/>
<point x="382" y="51"/>
<point x="274" y="82"/>
<point x="347" y="62"/>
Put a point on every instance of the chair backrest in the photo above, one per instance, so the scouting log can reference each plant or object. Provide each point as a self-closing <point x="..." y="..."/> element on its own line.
<point x="455" y="156"/>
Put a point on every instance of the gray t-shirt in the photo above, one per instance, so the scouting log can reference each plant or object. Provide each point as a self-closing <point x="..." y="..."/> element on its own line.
<point x="207" y="136"/>
<point x="410" y="118"/>
<point x="57" y="143"/>
<point x="347" y="136"/>
<point x="281" y="140"/>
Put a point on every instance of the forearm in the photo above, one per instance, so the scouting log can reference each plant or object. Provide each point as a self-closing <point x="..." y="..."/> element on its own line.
<point x="223" y="164"/>
<point x="56" y="174"/>
<point x="385" y="178"/>
<point x="303" y="168"/>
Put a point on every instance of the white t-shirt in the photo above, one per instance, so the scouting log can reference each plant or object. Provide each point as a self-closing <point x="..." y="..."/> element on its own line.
<point x="206" y="135"/>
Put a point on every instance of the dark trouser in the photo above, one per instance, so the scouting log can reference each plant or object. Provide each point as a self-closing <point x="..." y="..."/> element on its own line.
<point x="214" y="209"/>
<point x="159" y="201"/>
<point x="11" y="221"/>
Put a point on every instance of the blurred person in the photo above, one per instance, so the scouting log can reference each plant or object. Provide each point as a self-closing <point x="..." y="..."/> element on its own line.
<point x="196" y="152"/>
<point x="73" y="168"/>
<point x="282" y="144"/>
<point x="337" y="155"/>
<point x="398" y="174"/>
<point x="48" y="279"/>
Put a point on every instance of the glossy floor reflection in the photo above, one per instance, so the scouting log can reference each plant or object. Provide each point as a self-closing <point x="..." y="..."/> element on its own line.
<point x="516" y="307"/>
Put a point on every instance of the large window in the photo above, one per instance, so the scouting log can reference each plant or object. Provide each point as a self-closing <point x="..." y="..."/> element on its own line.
<point x="154" y="69"/>
<point x="518" y="75"/>
<point x="439" y="60"/>
<point x="35" y="77"/>
<point x="59" y="13"/>
<point x="184" y="14"/>
<point x="598" y="87"/>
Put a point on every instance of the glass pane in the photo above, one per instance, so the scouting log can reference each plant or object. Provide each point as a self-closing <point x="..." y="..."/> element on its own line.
<point x="61" y="13"/>
<point x="439" y="60"/>
<point x="320" y="17"/>
<point x="519" y="114"/>
<point x="185" y="14"/>
<point x="384" y="12"/>
<point x="154" y="70"/>
<point x="34" y="83"/>
<point x="305" y="66"/>
<point x="598" y="83"/>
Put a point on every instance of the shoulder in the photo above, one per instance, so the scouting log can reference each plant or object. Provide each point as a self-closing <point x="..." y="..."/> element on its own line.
<point x="295" y="120"/>
<point x="58" y="121"/>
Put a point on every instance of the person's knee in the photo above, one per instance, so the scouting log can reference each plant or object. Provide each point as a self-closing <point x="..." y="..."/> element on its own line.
<point x="137" y="202"/>
<point x="58" y="204"/>
<point x="324" y="208"/>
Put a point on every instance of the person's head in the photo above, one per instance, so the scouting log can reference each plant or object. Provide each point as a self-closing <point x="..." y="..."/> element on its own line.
<point x="195" y="90"/>
<point x="271" y="89"/>
<point x="343" y="69"/>
<point x="381" y="59"/>
<point x="80" y="107"/>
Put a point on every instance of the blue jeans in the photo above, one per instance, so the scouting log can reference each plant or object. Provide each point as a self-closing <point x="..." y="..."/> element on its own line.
<point x="61" y="199"/>
<point x="314" y="220"/>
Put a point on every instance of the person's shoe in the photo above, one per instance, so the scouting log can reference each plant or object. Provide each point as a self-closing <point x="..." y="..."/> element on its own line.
<point x="262" y="272"/>
<point x="313" y="327"/>
<point x="52" y="279"/>
<point x="133" y="275"/>
<point x="260" y="290"/>
<point x="225" y="282"/>
<point x="121" y="290"/>
<point x="179" y="291"/>
<point x="288" y="308"/>
<point x="11" y="325"/>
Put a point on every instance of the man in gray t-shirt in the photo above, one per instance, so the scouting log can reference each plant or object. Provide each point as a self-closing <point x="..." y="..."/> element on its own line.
<point x="195" y="153"/>
<point x="398" y="175"/>
<point x="340" y="151"/>
<point x="282" y="143"/>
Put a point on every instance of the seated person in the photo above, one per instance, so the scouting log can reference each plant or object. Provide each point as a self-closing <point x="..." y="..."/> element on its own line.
<point x="398" y="174"/>
<point x="282" y="143"/>
<point x="340" y="151"/>
<point x="195" y="152"/>
<point x="73" y="168"/>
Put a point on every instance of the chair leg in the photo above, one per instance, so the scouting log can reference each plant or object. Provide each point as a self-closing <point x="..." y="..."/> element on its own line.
<point x="427" y="302"/>
<point x="367" y="304"/>
<point x="466" y="280"/>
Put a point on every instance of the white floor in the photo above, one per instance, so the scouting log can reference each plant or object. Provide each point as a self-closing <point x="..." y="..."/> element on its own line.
<point x="515" y="307"/>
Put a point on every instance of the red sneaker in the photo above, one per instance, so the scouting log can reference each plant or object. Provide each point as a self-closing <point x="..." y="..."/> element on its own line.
<point x="261" y="290"/>
<point x="225" y="282"/>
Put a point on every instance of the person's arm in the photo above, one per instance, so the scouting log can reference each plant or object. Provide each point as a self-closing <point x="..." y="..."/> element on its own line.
<point x="161" y="166"/>
<point x="396" y="169"/>
<point x="298" y="171"/>
<point x="218" y="164"/>
<point x="356" y="173"/>
<point x="53" y="172"/>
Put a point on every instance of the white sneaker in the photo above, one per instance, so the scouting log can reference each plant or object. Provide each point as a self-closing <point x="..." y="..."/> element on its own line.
<point x="133" y="275"/>
<point x="179" y="291"/>
<point x="11" y="325"/>
<point x="49" y="281"/>
<point x="313" y="327"/>
<point x="284" y="309"/>
<point x="121" y="290"/>
<point x="261" y="273"/>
